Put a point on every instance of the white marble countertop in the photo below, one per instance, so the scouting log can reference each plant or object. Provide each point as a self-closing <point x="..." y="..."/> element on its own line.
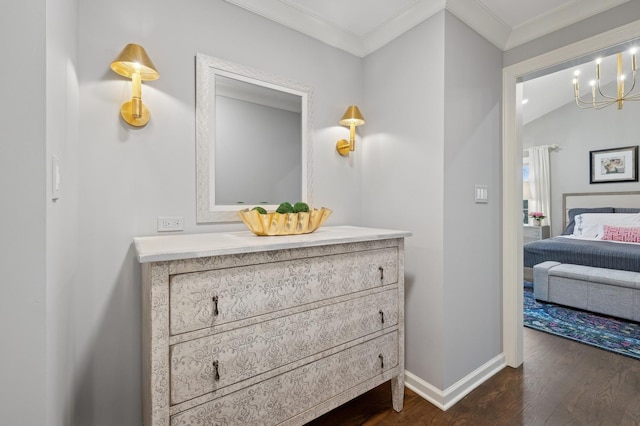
<point x="184" y="246"/>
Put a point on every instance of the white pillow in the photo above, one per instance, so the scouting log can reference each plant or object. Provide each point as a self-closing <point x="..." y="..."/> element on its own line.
<point x="590" y="225"/>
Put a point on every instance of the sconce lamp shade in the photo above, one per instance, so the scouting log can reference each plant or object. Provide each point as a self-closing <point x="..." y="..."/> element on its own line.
<point x="134" y="63"/>
<point x="132" y="59"/>
<point x="352" y="118"/>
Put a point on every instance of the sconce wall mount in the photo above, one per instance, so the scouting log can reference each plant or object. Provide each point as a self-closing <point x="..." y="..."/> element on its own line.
<point x="351" y="118"/>
<point x="133" y="62"/>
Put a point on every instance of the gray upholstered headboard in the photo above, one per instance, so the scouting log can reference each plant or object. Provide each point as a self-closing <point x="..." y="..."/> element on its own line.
<point x="628" y="199"/>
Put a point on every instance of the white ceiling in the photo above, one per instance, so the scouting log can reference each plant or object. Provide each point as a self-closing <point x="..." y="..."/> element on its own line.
<point x="362" y="26"/>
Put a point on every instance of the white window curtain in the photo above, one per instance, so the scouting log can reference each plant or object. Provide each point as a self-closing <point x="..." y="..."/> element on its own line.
<point x="540" y="182"/>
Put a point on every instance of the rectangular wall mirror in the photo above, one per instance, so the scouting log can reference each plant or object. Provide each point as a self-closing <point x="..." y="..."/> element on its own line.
<point x="253" y="142"/>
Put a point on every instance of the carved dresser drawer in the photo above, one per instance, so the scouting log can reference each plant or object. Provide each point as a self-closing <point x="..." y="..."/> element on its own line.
<point x="209" y="298"/>
<point x="299" y="390"/>
<point x="240" y="329"/>
<point x="248" y="351"/>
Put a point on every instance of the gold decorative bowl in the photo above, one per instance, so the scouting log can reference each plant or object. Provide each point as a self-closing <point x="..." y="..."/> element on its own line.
<point x="274" y="223"/>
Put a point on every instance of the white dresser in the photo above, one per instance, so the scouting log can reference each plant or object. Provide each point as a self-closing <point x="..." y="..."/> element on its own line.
<point x="247" y="330"/>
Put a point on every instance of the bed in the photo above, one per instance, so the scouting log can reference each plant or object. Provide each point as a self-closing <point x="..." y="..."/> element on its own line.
<point x="595" y="264"/>
<point x="599" y="254"/>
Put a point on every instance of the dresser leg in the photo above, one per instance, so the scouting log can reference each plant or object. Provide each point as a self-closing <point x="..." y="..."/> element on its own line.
<point x="397" y="392"/>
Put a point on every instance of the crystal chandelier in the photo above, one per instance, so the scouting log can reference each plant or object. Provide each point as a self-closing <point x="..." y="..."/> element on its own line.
<point x="601" y="100"/>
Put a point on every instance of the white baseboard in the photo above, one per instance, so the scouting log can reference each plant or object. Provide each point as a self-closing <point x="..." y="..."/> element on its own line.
<point x="454" y="393"/>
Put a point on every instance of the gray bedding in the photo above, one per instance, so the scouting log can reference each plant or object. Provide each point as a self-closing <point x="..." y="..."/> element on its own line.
<point x="600" y="254"/>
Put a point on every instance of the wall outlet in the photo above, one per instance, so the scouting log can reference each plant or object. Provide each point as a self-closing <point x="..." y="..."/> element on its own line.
<point x="168" y="224"/>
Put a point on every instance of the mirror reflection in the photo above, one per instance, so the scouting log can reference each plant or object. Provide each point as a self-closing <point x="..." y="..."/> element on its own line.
<point x="252" y="140"/>
<point x="258" y="154"/>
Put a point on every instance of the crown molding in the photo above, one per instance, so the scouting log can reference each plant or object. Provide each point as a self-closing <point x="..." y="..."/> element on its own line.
<point x="336" y="36"/>
<point x="472" y="12"/>
<point x="481" y="20"/>
<point x="313" y="26"/>
<point x="556" y="19"/>
<point x="400" y="24"/>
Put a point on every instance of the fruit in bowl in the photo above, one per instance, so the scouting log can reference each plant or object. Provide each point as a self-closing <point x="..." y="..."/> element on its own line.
<point x="284" y="208"/>
<point x="300" y="207"/>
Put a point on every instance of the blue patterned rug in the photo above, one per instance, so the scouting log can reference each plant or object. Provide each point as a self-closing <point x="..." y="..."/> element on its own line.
<point x="607" y="333"/>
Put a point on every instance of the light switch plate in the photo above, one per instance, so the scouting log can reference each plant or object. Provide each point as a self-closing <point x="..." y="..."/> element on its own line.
<point x="482" y="194"/>
<point x="55" y="178"/>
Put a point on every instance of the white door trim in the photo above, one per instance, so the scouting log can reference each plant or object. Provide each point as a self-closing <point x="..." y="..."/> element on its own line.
<point x="512" y="293"/>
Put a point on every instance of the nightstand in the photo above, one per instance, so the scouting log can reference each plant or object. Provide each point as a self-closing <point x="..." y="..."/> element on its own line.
<point x="535" y="233"/>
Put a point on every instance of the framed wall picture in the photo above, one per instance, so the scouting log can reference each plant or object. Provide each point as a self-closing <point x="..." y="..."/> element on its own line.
<point x="614" y="165"/>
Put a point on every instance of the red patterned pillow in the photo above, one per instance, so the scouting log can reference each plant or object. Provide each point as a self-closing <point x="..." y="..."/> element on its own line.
<point x="617" y="233"/>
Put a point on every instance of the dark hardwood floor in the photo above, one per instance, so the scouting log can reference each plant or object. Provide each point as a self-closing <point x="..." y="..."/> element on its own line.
<point x="560" y="383"/>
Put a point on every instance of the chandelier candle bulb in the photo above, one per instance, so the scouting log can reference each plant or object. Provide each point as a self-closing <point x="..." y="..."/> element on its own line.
<point x="601" y="99"/>
<point x="620" y="83"/>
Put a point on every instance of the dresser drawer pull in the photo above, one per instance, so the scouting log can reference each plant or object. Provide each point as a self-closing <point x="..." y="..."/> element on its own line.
<point x="381" y="269"/>
<point x="216" y="373"/>
<point x="381" y="316"/>
<point x="381" y="360"/>
<point x="215" y="305"/>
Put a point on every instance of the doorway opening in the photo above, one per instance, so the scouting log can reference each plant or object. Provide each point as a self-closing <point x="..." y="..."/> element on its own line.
<point x="512" y="145"/>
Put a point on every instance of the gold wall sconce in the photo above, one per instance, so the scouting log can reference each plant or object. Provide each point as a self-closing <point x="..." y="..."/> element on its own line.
<point x="133" y="62"/>
<point x="351" y="118"/>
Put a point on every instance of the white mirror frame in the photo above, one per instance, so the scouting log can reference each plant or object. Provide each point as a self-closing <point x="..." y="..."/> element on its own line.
<point x="207" y="68"/>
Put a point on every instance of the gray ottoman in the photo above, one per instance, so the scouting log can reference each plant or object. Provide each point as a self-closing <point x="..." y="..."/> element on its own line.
<point x="605" y="291"/>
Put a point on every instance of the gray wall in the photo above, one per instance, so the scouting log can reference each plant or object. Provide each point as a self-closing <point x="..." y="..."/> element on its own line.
<point x="62" y="215"/>
<point x="38" y="118"/>
<point x="472" y="244"/>
<point x="433" y="132"/>
<point x="23" y="213"/>
<point x="403" y="177"/>
<point x="577" y="132"/>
